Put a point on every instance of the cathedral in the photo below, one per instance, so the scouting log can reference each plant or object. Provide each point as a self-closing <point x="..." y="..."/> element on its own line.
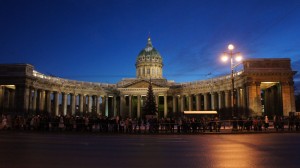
<point x="263" y="87"/>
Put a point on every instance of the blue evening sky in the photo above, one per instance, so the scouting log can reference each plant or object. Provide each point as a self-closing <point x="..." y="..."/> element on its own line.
<point x="99" y="40"/>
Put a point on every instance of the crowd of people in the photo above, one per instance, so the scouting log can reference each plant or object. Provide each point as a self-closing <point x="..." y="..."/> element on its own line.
<point x="105" y="124"/>
<point x="184" y="124"/>
<point x="263" y="123"/>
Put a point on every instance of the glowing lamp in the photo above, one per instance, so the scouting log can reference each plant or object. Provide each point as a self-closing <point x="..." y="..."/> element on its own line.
<point x="224" y="58"/>
<point x="238" y="57"/>
<point x="230" y="47"/>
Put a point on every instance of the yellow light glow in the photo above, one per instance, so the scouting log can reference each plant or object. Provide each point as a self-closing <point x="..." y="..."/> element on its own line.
<point x="200" y="112"/>
<point x="269" y="82"/>
<point x="9" y="86"/>
<point x="224" y="58"/>
<point x="230" y="47"/>
<point x="238" y="58"/>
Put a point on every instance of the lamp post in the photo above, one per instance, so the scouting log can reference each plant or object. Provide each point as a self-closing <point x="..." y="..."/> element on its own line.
<point x="237" y="57"/>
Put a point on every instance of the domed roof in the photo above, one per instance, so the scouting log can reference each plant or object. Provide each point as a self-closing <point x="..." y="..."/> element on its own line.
<point x="149" y="54"/>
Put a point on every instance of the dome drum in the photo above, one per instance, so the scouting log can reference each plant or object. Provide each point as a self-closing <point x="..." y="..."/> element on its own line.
<point x="149" y="63"/>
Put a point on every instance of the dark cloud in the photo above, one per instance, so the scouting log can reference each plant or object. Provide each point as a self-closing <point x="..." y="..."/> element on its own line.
<point x="297" y="77"/>
<point x="297" y="87"/>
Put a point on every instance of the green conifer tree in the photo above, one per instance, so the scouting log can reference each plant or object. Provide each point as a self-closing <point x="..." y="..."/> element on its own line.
<point x="150" y="105"/>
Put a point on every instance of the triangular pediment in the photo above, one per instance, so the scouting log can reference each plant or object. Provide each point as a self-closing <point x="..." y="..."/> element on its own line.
<point x="141" y="84"/>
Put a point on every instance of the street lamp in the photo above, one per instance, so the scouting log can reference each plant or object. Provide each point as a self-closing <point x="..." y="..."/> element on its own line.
<point x="235" y="59"/>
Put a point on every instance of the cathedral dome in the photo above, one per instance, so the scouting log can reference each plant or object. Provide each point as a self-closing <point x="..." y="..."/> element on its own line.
<point x="149" y="63"/>
<point x="149" y="54"/>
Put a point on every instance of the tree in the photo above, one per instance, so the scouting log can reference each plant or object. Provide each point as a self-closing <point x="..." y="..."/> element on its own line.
<point x="150" y="105"/>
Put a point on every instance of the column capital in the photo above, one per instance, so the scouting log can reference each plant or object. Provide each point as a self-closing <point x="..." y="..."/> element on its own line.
<point x="253" y="83"/>
<point x="257" y="83"/>
<point x="288" y="83"/>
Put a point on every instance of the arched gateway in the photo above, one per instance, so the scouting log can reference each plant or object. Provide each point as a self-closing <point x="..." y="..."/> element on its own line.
<point x="263" y="87"/>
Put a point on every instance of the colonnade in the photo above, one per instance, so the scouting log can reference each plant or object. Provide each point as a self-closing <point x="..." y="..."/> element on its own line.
<point x="207" y="101"/>
<point x="15" y="99"/>
<point x="7" y="98"/>
<point x="63" y="103"/>
<point x="181" y="102"/>
<point x="20" y="98"/>
<point x="129" y="109"/>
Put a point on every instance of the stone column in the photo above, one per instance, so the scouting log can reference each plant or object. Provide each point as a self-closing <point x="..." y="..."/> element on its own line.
<point x="97" y="104"/>
<point x="6" y="99"/>
<point x="42" y="105"/>
<point x="64" y="103"/>
<point x="48" y="101"/>
<point x="182" y="103"/>
<point x="38" y="100"/>
<point x="106" y="106"/>
<point x="190" y="102"/>
<point x="130" y="106"/>
<point x="34" y="100"/>
<point x="165" y="105"/>
<point x="41" y="100"/>
<point x="220" y="100"/>
<point x="213" y="101"/>
<point x="89" y="104"/>
<point x="13" y="97"/>
<point x="198" y="105"/>
<point x="238" y="97"/>
<point x="174" y="104"/>
<point x="241" y="96"/>
<point x="138" y="106"/>
<point x="254" y="98"/>
<point x="121" y="105"/>
<point x="100" y="106"/>
<point x="85" y="107"/>
<point x="206" y="103"/>
<point x="26" y="101"/>
<point x="157" y="101"/>
<point x="115" y="105"/>
<point x="73" y="103"/>
<point x="22" y="99"/>
<point x="227" y="99"/>
<point x="288" y="98"/>
<point x="81" y="103"/>
<point x="56" y="103"/>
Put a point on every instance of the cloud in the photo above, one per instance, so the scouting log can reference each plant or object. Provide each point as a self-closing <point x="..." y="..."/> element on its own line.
<point x="297" y="87"/>
<point x="297" y="77"/>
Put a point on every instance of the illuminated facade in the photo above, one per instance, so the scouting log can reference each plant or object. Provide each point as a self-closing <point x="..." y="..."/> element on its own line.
<point x="263" y="87"/>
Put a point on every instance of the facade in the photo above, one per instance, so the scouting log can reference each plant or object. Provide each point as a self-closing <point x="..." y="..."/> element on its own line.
<point x="263" y="87"/>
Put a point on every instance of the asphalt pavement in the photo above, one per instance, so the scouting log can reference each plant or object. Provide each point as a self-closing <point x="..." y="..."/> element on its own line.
<point x="36" y="149"/>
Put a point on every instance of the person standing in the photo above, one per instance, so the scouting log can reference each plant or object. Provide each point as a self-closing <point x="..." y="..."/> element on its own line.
<point x="4" y="122"/>
<point x="266" y="123"/>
